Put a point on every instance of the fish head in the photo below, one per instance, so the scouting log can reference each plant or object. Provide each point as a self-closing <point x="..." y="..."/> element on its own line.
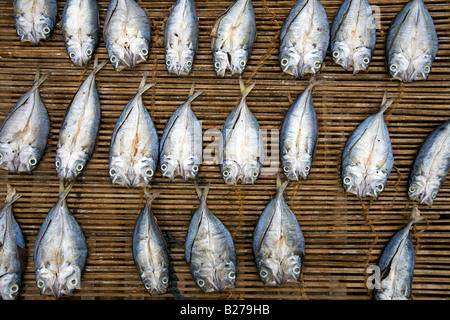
<point x="289" y="61"/>
<point x="27" y="159"/>
<point x="190" y="169"/>
<point x="7" y="156"/>
<point x="68" y="279"/>
<point x="46" y="281"/>
<point x="361" y="59"/>
<point x="268" y="270"/>
<point x="139" y="51"/>
<point x="312" y="63"/>
<point x="10" y="285"/>
<point x="230" y="172"/>
<point x="221" y="62"/>
<point x="353" y="181"/>
<point x="341" y="54"/>
<point x="210" y="279"/>
<point x="117" y="56"/>
<point x="398" y="67"/>
<point x="296" y="168"/>
<point x="169" y="168"/>
<point x="81" y="53"/>
<point x="290" y="269"/>
<point x="375" y="182"/>
<point x="251" y="172"/>
<point x="239" y="59"/>
<point x="420" y="68"/>
<point x="34" y="31"/>
<point x="424" y="190"/>
<point x="179" y="63"/>
<point x="142" y="172"/>
<point x="69" y="165"/>
<point x="156" y="280"/>
<point x="118" y="169"/>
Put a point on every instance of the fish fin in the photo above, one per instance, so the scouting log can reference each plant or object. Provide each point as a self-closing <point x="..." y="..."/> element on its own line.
<point x="64" y="190"/>
<point x="150" y="196"/>
<point x="193" y="95"/>
<point x="245" y="90"/>
<point x="385" y="104"/>
<point x="202" y="194"/>
<point x="11" y="195"/>
<point x="111" y="8"/>
<point x="281" y="186"/>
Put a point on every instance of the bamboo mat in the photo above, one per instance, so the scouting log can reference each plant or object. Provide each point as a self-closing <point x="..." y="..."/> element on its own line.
<point x="344" y="235"/>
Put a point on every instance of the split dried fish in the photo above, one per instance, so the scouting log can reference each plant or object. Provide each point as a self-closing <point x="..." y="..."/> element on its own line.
<point x="304" y="39"/>
<point x="12" y="249"/>
<point x="126" y="32"/>
<point x="209" y="249"/>
<point x="80" y="29"/>
<point x="278" y="242"/>
<point x="150" y="251"/>
<point x="298" y="136"/>
<point x="35" y="19"/>
<point x="181" y="143"/>
<point x="431" y="166"/>
<point x="24" y="131"/>
<point x="411" y="43"/>
<point x="367" y="159"/>
<point x="181" y="37"/>
<point x="233" y="36"/>
<point x="133" y="154"/>
<point x="353" y="35"/>
<point x="60" y="251"/>
<point x="79" y="129"/>
<point x="242" y="147"/>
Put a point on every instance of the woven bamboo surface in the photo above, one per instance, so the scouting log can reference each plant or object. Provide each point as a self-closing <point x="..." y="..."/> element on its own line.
<point x="344" y="235"/>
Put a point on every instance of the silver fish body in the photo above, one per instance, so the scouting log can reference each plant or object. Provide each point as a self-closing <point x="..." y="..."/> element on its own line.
<point x="396" y="264"/>
<point x="150" y="251"/>
<point x="126" y="33"/>
<point x="181" y="37"/>
<point x="133" y="154"/>
<point x="304" y="39"/>
<point x="278" y="242"/>
<point x="60" y="251"/>
<point x="35" y="19"/>
<point x="242" y="146"/>
<point x="353" y="35"/>
<point x="180" y="151"/>
<point x="12" y="249"/>
<point x="411" y="43"/>
<point x="81" y="30"/>
<point x="431" y="166"/>
<point x="298" y="136"/>
<point x="79" y="130"/>
<point x="367" y="159"/>
<point x="209" y="249"/>
<point x="233" y="36"/>
<point x="24" y="131"/>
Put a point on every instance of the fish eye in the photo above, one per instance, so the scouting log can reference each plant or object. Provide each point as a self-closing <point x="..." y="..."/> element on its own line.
<point x="144" y="51"/>
<point x="335" y="54"/>
<point x="46" y="30"/>
<point x="307" y="168"/>
<point x="32" y="161"/>
<point x="242" y="63"/>
<point x="317" y="64"/>
<point x="412" y="189"/>
<point x="40" y="283"/>
<point x="231" y="274"/>
<point x="168" y="62"/>
<point x="286" y="168"/>
<point x="255" y="173"/>
<point x="284" y="62"/>
<point x="366" y="60"/>
<point x="226" y="173"/>
<point x="149" y="172"/>
<point x="14" y="288"/>
<point x="195" y="168"/>
<point x="393" y="67"/>
<point x="347" y="180"/>
<point x="113" y="59"/>
<point x="79" y="167"/>
<point x="217" y="65"/>
<point x="164" y="280"/>
<point x="89" y="52"/>
<point x="434" y="194"/>
<point x="19" y="31"/>
<point x="72" y="55"/>
<point x="112" y="172"/>
<point x="426" y="69"/>
<point x="57" y="163"/>
<point x="201" y="283"/>
<point x="263" y="273"/>
<point x="189" y="63"/>
<point x="74" y="282"/>
<point x="147" y="286"/>
<point x="380" y="187"/>
<point x="1" y="156"/>
<point x="296" y="269"/>
<point x="163" y="167"/>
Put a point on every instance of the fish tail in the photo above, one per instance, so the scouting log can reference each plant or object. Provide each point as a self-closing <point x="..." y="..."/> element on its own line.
<point x="315" y="82"/>
<point x="97" y="67"/>
<point x="11" y="195"/>
<point x="415" y="214"/>
<point x="38" y="80"/>
<point x="150" y="196"/>
<point x="281" y="186"/>
<point x="193" y="95"/>
<point x="202" y="194"/>
<point x="245" y="90"/>
<point x="385" y="103"/>
<point x="144" y="87"/>
<point x="64" y="190"/>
